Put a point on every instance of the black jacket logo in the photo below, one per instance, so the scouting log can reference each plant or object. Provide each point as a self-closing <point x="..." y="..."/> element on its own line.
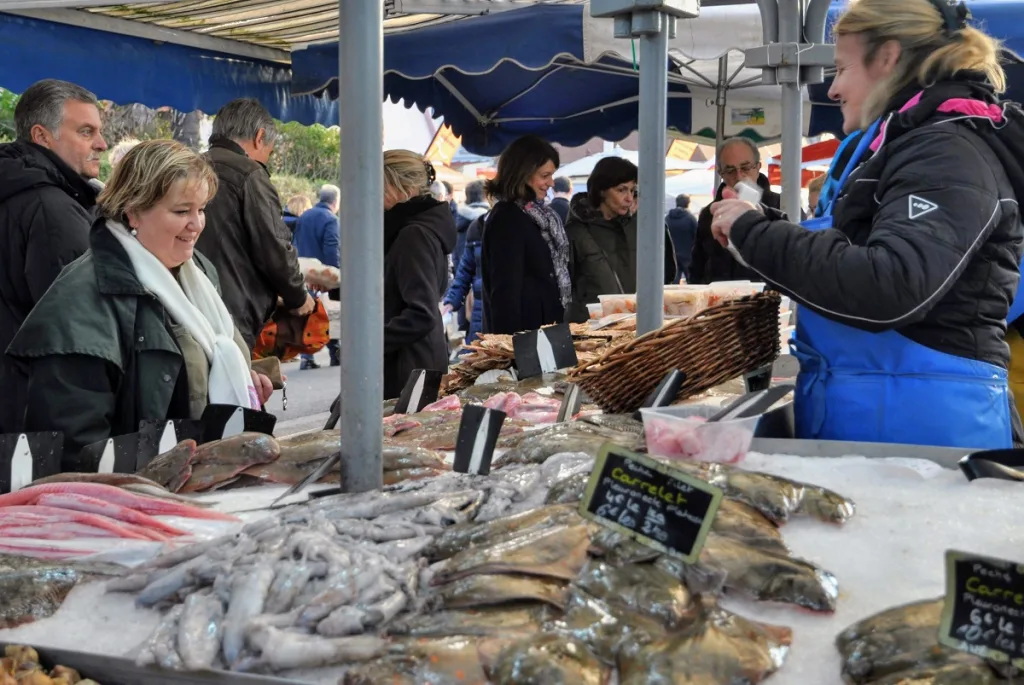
<point x="919" y="207"/>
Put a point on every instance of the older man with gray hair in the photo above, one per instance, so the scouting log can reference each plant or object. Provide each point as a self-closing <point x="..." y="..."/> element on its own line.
<point x="246" y="237"/>
<point x="738" y="159"/>
<point x="317" y="236"/>
<point x="46" y="204"/>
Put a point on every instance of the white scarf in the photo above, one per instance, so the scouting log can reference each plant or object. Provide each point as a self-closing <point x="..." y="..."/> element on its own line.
<point x="195" y="304"/>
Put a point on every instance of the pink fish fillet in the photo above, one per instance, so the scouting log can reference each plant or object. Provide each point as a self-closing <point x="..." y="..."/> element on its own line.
<point x="449" y="403"/>
<point x="92" y="505"/>
<point x="107" y="493"/>
<point x="56" y="515"/>
<point x="54" y="531"/>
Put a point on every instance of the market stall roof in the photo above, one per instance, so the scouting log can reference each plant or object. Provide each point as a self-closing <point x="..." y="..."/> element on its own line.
<point x="206" y="52"/>
<point x="554" y="70"/>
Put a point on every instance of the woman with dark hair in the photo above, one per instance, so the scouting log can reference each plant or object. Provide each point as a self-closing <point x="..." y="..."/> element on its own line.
<point x="525" y="252"/>
<point x="602" y="232"/>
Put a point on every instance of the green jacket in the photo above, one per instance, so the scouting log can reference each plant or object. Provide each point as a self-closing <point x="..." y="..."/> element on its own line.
<point x="603" y="260"/>
<point x="101" y="352"/>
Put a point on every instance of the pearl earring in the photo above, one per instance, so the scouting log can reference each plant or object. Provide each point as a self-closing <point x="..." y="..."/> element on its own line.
<point x="134" y="232"/>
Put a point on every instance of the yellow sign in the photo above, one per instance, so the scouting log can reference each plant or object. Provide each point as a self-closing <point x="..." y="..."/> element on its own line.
<point x="444" y="145"/>
<point x="682" y="150"/>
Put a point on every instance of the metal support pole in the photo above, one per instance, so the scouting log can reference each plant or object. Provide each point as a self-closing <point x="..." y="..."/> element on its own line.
<point x="653" y="124"/>
<point x="790" y="32"/>
<point x="361" y="57"/>
<point x="721" y="93"/>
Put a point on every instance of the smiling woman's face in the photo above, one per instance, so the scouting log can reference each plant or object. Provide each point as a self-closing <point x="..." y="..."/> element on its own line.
<point x="855" y="80"/>
<point x="170" y="228"/>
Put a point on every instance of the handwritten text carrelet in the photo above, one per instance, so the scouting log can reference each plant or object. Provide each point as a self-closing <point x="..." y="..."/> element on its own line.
<point x="671" y="496"/>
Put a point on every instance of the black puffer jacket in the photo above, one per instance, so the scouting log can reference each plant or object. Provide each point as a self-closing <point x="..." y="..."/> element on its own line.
<point x="419" y="234"/>
<point x="711" y="262"/>
<point x="929" y="236"/>
<point x="45" y="215"/>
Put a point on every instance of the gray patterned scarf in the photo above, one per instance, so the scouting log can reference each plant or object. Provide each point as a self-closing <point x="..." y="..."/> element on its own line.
<point x="558" y="243"/>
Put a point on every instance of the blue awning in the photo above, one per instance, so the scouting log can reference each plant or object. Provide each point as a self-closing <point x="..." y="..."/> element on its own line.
<point x="499" y="76"/>
<point x="126" y="69"/>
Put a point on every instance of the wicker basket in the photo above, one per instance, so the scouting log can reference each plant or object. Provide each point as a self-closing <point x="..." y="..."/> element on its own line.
<point x="714" y="346"/>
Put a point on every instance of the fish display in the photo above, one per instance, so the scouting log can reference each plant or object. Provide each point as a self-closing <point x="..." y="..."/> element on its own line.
<point x="173" y="468"/>
<point x="464" y="578"/>
<point x="900" y="646"/>
<point x="32" y="589"/>
<point x="221" y="461"/>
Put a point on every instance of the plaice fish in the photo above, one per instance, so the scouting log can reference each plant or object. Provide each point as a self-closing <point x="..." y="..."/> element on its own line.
<point x="301" y="455"/>
<point x="605" y="628"/>
<point x="644" y="588"/>
<point x="900" y="645"/>
<point x="489" y="590"/>
<point x="549" y="658"/>
<point x="221" y="460"/>
<point x="742" y="522"/>
<point x="537" y="446"/>
<point x="445" y="661"/>
<point x="721" y="647"/>
<point x="460" y="538"/>
<point x="173" y="468"/>
<point x="511" y="619"/>
<point x="397" y="457"/>
<point x="569" y="490"/>
<point x="31" y="589"/>
<point x="392" y="477"/>
<point x="758" y="574"/>
<point x="557" y="552"/>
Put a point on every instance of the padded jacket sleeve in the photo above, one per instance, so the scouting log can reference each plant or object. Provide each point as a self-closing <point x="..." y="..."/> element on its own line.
<point x="56" y="234"/>
<point x="417" y="283"/>
<point x="914" y="253"/>
<point x="271" y="240"/>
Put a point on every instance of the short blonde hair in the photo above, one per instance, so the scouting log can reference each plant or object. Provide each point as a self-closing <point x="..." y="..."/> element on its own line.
<point x="146" y="175"/>
<point x="408" y="172"/>
<point x="120" y="150"/>
<point x="929" y="53"/>
<point x="816" y="184"/>
<point x="297" y="204"/>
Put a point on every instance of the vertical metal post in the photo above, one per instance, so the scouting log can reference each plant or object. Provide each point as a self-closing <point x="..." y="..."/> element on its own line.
<point x="653" y="124"/>
<point x="791" y="34"/>
<point x="361" y="93"/>
<point x="721" y="94"/>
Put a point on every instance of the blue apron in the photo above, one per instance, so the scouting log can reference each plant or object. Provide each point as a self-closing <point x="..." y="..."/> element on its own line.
<point x="884" y="387"/>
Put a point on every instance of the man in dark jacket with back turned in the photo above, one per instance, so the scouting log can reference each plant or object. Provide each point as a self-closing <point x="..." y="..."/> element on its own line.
<point x="682" y="227"/>
<point x="245" y="237"/>
<point x="738" y="160"/>
<point x="46" y="202"/>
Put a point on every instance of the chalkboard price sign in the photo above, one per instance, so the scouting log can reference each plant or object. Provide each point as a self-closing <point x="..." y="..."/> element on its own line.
<point x="653" y="503"/>
<point x="984" y="611"/>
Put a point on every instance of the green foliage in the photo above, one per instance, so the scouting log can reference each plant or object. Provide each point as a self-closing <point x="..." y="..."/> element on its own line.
<point x="8" y="101"/>
<point x="287" y="186"/>
<point x="310" y="152"/>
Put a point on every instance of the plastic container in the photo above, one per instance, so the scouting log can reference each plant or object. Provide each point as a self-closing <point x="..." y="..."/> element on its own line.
<point x="785" y="334"/>
<point x="596" y="311"/>
<point x="724" y="291"/>
<point x="617" y="304"/>
<point x="685" y="300"/>
<point x="683" y="433"/>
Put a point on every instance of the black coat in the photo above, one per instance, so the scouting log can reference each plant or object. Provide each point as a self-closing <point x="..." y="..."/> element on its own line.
<point x="682" y="227"/>
<point x="45" y="216"/>
<point x="520" y="288"/>
<point x="248" y="242"/>
<point x="711" y="262"/>
<point x="418" y="237"/>
<point x="561" y="207"/>
<point x="928" y="236"/>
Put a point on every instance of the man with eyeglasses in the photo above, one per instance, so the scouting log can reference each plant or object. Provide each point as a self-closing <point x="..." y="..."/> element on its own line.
<point x="738" y="160"/>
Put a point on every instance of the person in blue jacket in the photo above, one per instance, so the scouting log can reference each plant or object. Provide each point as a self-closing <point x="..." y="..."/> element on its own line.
<point x="905" y="282"/>
<point x="317" y="237"/>
<point x="468" y="278"/>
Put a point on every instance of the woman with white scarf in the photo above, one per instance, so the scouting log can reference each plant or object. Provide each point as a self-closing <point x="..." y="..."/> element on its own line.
<point x="135" y="329"/>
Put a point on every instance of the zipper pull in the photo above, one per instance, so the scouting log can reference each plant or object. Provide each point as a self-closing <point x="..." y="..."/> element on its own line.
<point x="284" y="396"/>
